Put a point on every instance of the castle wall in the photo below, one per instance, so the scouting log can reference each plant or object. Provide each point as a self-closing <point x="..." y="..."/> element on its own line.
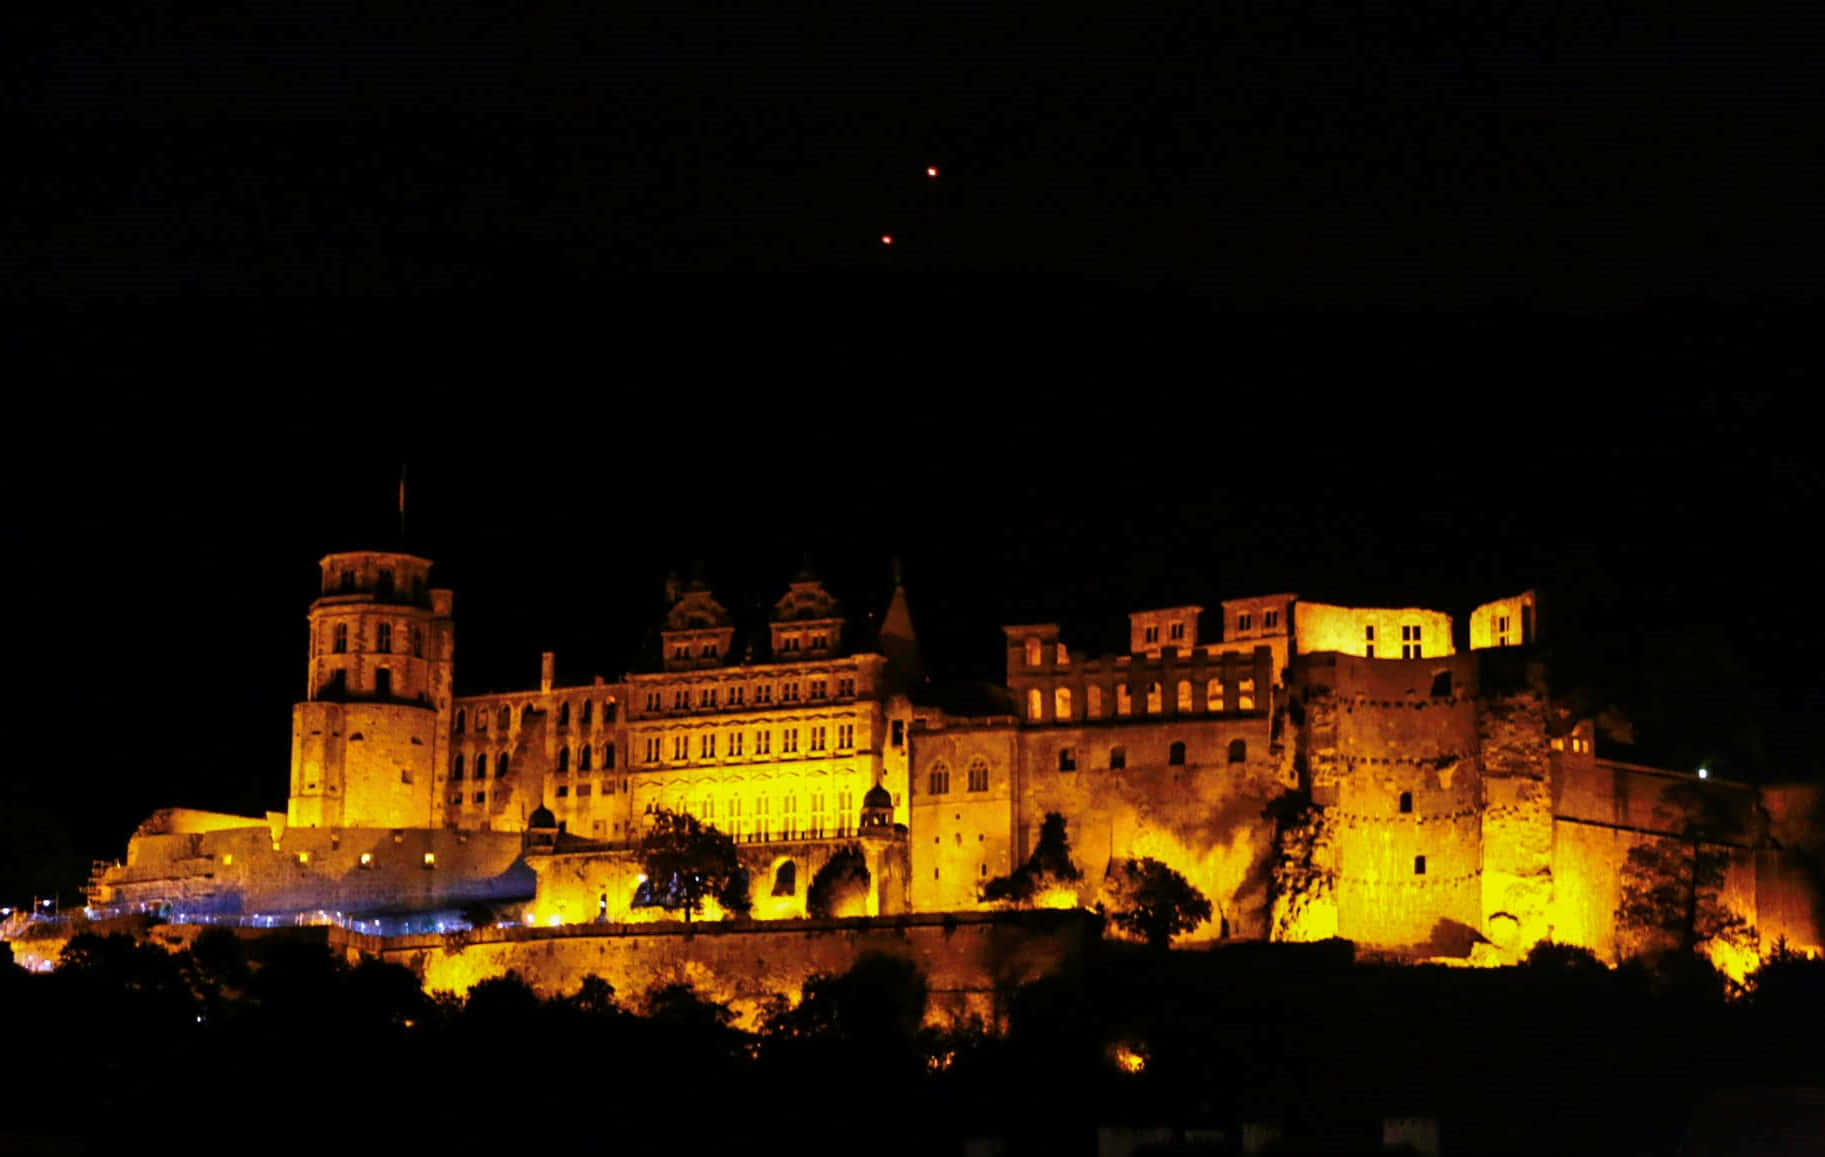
<point x="961" y="839"/>
<point x="249" y="870"/>
<point x="966" y="959"/>
<point x="363" y="764"/>
<point x="1321" y="627"/>
<point x="1515" y="757"/>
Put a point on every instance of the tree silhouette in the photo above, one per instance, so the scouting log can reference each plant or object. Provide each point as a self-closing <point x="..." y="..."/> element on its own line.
<point x="844" y="876"/>
<point x="685" y="861"/>
<point x="1155" y="903"/>
<point x="1671" y="886"/>
<point x="1048" y="866"/>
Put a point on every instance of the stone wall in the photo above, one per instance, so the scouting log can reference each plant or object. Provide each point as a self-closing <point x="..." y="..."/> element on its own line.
<point x="968" y="960"/>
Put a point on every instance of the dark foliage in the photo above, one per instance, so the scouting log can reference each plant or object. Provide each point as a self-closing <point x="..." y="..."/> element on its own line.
<point x="1671" y="887"/>
<point x="843" y="877"/>
<point x="686" y="861"/>
<point x="1153" y="902"/>
<point x="1050" y="864"/>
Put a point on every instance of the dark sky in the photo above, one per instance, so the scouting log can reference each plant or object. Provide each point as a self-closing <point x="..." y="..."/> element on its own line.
<point x="1418" y="302"/>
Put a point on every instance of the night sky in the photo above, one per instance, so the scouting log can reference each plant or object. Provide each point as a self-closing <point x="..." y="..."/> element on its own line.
<point x="1411" y="304"/>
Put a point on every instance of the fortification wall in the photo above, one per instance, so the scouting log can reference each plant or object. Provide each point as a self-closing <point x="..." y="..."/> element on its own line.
<point x="1515" y="756"/>
<point x="967" y="959"/>
<point x="245" y="871"/>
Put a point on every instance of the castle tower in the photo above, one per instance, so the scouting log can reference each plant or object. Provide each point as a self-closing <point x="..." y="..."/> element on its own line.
<point x="373" y="730"/>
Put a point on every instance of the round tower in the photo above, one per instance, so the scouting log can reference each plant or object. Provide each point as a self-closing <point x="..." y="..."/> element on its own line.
<point x="373" y="731"/>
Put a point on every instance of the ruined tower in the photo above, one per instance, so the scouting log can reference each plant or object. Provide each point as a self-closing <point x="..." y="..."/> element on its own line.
<point x="371" y="734"/>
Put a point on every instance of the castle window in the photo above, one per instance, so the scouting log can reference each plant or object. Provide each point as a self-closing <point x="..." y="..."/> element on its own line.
<point x="1093" y="702"/>
<point x="1064" y="656"/>
<point x="706" y="747"/>
<point x="1124" y="699"/>
<point x="763" y="693"/>
<point x="1409" y="642"/>
<point x="735" y="741"/>
<point x="1184" y="698"/>
<point x="1067" y="759"/>
<point x="500" y="766"/>
<point x="456" y="768"/>
<point x="1245" y="621"/>
<point x="706" y="697"/>
<point x="681" y="699"/>
<point x="708" y="651"/>
<point x="1178" y="632"/>
<point x="1033" y="652"/>
<point x="1238" y="751"/>
<point x="481" y="765"/>
<point x="563" y="715"/>
<point x="1419" y="865"/>
<point x="939" y="780"/>
<point x="1213" y="695"/>
<point x="341" y="643"/>
<point x="818" y="734"/>
<point x="1118" y="758"/>
<point x="348" y="580"/>
<point x="1245" y="695"/>
<point x="785" y="879"/>
<point x="461" y="720"/>
<point x="1501" y="630"/>
<point x="525" y="716"/>
<point x="899" y="732"/>
<point x="418" y="643"/>
<point x="652" y="749"/>
<point x="1270" y="620"/>
<point x="1441" y="685"/>
<point x="505" y="716"/>
<point x="589" y="707"/>
<point x="1175" y="755"/>
<point x="1036" y="705"/>
<point x="681" y="748"/>
<point x="845" y="687"/>
<point x="789" y="642"/>
<point x="1406" y="802"/>
<point x="481" y="797"/>
<point x="1155" y="699"/>
<point x="1368" y="641"/>
<point x="1150" y="634"/>
<point x="563" y="760"/>
<point x="681" y="651"/>
<point x="608" y="711"/>
<point x="763" y="743"/>
<point x="820" y="689"/>
<point x="788" y="691"/>
<point x="819" y="641"/>
<point x="845" y="736"/>
<point x="584" y="758"/>
<point x="979" y="774"/>
<point x="383" y="683"/>
<point x="789" y="740"/>
<point x="1061" y="703"/>
<point x="383" y="586"/>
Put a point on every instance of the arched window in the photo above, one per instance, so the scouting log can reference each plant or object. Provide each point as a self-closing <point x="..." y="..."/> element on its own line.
<point x="481" y="765"/>
<point x="456" y="768"/>
<point x="525" y="715"/>
<point x="1238" y="751"/>
<point x="418" y="643"/>
<point x="979" y="774"/>
<point x="1213" y="695"/>
<point x="1406" y="802"/>
<point x="1061" y="703"/>
<point x="500" y="766"/>
<point x="563" y="759"/>
<point x="563" y="715"/>
<point x="785" y="879"/>
<point x="608" y="711"/>
<point x="1033" y="650"/>
<point x="940" y="779"/>
<point x="462" y="718"/>
<point x="1184" y="700"/>
<point x="1093" y="702"/>
<point x="589" y="708"/>
<point x="1153" y="698"/>
<point x="608" y="757"/>
<point x="1036" y="705"/>
<point x="1175" y="755"/>
<point x="584" y="758"/>
<point x="1124" y="699"/>
<point x="504" y="719"/>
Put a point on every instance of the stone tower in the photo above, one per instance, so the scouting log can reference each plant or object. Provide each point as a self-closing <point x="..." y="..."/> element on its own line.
<point x="373" y="730"/>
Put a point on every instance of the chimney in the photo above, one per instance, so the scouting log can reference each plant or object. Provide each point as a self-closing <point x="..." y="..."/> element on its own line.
<point x="548" y="663"/>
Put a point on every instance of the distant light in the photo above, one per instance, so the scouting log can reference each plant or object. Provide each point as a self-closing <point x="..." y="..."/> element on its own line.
<point x="931" y="170"/>
<point x="887" y="238"/>
<point x="1129" y="1060"/>
<point x="430" y="859"/>
<point x="641" y="877"/>
<point x="555" y="920"/>
<point x="1703" y="773"/>
<point x="367" y="858"/>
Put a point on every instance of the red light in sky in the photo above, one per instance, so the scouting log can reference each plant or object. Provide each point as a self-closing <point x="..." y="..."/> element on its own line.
<point x="931" y="170"/>
<point x="887" y="238"/>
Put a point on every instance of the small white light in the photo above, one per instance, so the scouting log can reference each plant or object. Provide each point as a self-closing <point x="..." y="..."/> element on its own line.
<point x="1703" y="773"/>
<point x="555" y="920"/>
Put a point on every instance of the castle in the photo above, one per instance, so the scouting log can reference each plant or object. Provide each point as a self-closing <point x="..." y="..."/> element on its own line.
<point x="1314" y="770"/>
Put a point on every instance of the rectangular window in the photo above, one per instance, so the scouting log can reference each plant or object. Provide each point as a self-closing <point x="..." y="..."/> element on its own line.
<point x="1177" y="632"/>
<point x="383" y="638"/>
<point x="763" y="693"/>
<point x="706" y="747"/>
<point x="763" y="743"/>
<point x="681" y="748"/>
<point x="706" y="697"/>
<point x="1245" y="621"/>
<point x="899" y="732"/>
<point x="418" y="643"/>
<point x="1150" y="634"/>
<point x="819" y="689"/>
<point x="1270" y="620"/>
<point x="652" y="700"/>
<point x="681" y="699"/>
<point x="788" y="743"/>
<point x="735" y="738"/>
<point x="788" y="691"/>
<point x="563" y="790"/>
<point x="817" y="738"/>
<point x="845" y="688"/>
<point x="1501" y="630"/>
<point x="1409" y="642"/>
<point x="1124" y="700"/>
<point x="652" y="749"/>
<point x="481" y="797"/>
<point x="737" y="695"/>
<point x="845" y="736"/>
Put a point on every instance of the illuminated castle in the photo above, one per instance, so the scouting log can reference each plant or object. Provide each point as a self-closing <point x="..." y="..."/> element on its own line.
<point x="1315" y="770"/>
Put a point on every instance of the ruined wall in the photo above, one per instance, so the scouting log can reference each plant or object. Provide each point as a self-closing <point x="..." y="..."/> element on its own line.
<point x="1389" y="749"/>
<point x="1347" y="630"/>
<point x="1516" y="759"/>
<point x="246" y="871"/>
<point x="967" y="959"/>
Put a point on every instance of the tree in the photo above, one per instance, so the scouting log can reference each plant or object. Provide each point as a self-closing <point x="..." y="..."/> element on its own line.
<point x="685" y="861"/>
<point x="1671" y="886"/>
<point x="880" y="999"/>
<point x="1049" y="866"/>
<point x="842" y="878"/>
<point x="1155" y="903"/>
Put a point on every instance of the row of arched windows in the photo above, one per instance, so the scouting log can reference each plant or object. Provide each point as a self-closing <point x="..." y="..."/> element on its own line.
<point x="1218" y="697"/>
<point x="1237" y="752"/>
<point x="503" y="716"/>
<point x="479" y="769"/>
<point x="586" y="756"/>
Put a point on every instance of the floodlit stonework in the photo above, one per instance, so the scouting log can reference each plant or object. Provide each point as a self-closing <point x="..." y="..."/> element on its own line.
<point x="1314" y="770"/>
